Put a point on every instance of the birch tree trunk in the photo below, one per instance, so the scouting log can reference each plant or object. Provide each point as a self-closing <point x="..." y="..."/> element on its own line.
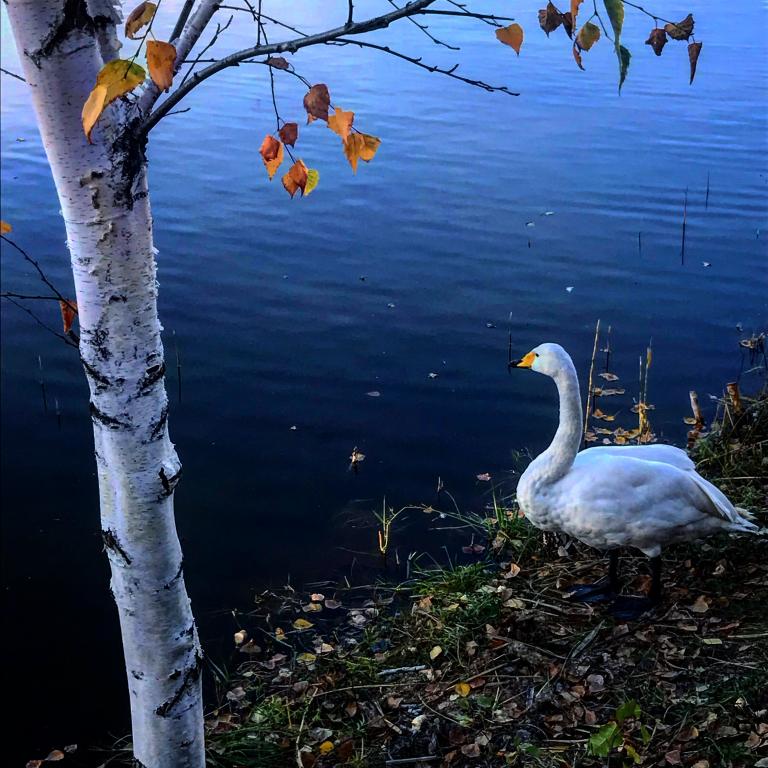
<point x="102" y="189"/>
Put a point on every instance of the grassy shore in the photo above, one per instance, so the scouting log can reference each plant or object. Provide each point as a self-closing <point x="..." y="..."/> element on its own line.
<point x="487" y="664"/>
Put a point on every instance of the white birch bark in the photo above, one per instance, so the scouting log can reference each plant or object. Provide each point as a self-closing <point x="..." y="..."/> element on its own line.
<point x="102" y="190"/>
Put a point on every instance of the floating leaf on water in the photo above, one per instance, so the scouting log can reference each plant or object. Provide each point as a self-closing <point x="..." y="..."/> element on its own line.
<point x="612" y="391"/>
<point x="706" y="263"/>
<point x="5" y="228"/>
<point x="484" y="477"/>
<point x="608" y="376"/>
<point x="332" y="605"/>
<point x="432" y="375"/>
<point x="598" y="414"/>
<point x="373" y="393"/>
<point x="590" y="437"/>
<point x="356" y="456"/>
<point x="569" y="289"/>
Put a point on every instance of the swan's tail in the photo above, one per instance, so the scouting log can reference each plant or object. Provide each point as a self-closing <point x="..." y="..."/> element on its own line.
<point x="739" y="519"/>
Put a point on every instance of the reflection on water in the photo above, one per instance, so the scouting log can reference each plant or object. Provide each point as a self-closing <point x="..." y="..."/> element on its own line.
<point x="280" y="339"/>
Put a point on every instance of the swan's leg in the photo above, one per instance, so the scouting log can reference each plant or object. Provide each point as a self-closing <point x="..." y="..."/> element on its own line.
<point x="628" y="608"/>
<point x="603" y="590"/>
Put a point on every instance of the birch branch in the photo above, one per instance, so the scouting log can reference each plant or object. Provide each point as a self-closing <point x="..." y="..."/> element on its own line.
<point x="234" y="59"/>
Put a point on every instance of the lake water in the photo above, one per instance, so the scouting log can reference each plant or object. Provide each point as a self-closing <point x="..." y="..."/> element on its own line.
<point x="275" y="328"/>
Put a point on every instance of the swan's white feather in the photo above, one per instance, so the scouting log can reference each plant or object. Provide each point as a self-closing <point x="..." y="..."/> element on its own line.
<point x="642" y="496"/>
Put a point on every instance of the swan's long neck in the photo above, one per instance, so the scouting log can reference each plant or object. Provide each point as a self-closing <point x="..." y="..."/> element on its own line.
<point x="558" y="458"/>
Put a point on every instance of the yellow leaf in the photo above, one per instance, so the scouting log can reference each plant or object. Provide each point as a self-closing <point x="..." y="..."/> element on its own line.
<point x="435" y="652"/>
<point x="512" y="36"/>
<point x="341" y="123"/>
<point x="92" y="108"/>
<point x="139" y="17"/>
<point x="302" y="624"/>
<point x="272" y="154"/>
<point x="462" y="689"/>
<point x="115" y="79"/>
<point x="360" y="146"/>
<point x="306" y="658"/>
<point x="313" y="177"/>
<point x="326" y="747"/>
<point x="120" y="76"/>
<point x="5" y="227"/>
<point x="161" y="58"/>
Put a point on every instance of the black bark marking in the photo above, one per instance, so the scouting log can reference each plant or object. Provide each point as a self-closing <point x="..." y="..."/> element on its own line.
<point x="100" y="379"/>
<point x="157" y="429"/>
<point x="152" y="375"/>
<point x="175" y="674"/>
<point x="105" y="419"/>
<point x="169" y="483"/>
<point x="172" y="581"/>
<point x="112" y="543"/>
<point x="74" y="16"/>
<point x="138" y="675"/>
<point x="190" y="677"/>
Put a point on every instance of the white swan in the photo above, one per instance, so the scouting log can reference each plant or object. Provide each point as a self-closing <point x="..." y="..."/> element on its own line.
<point x="642" y="496"/>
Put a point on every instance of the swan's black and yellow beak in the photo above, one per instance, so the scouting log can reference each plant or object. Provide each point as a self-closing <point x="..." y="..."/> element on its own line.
<point x="523" y="362"/>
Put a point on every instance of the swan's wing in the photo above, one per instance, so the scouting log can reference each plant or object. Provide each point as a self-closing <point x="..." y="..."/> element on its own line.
<point x="653" y="488"/>
<point x="666" y="454"/>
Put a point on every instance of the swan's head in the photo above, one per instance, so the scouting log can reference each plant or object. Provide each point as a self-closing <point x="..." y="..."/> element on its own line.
<point x="549" y="359"/>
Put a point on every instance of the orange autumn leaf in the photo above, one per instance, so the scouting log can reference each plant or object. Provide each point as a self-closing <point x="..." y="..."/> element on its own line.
<point x="93" y="108"/>
<point x="360" y="146"/>
<point x="68" y="312"/>
<point x="139" y="17"/>
<point x="296" y="178"/>
<point x="271" y="152"/>
<point x="575" y="10"/>
<point x="512" y="36"/>
<point x="317" y="101"/>
<point x="289" y="133"/>
<point x="341" y="123"/>
<point x="5" y="227"/>
<point x="161" y="58"/>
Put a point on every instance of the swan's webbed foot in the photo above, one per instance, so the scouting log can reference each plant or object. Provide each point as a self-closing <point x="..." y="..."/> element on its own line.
<point x="603" y="590"/>
<point x="600" y="592"/>
<point x="631" y="608"/>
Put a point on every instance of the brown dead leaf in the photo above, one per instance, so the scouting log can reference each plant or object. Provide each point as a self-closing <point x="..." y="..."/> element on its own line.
<point x="289" y="133"/>
<point x="550" y="18"/>
<point x="278" y="62"/>
<point x="471" y="750"/>
<point x="296" y="178"/>
<point x="317" y="101"/>
<point x="694" y="49"/>
<point x="682" y="30"/>
<point x="161" y="58"/>
<point x="272" y="154"/>
<point x="139" y="17"/>
<point x="341" y="123"/>
<point x="657" y="40"/>
<point x="5" y="227"/>
<point x="68" y="312"/>
<point x="54" y="756"/>
<point x="673" y="757"/>
<point x="568" y="24"/>
<point x="512" y="36"/>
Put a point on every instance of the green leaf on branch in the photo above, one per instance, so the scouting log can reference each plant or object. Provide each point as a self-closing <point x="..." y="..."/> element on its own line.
<point x="624" y="57"/>
<point x="615" y="10"/>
